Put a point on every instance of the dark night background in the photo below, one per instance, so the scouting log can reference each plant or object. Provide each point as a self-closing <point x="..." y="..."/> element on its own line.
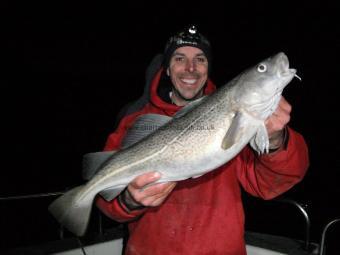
<point x="70" y="66"/>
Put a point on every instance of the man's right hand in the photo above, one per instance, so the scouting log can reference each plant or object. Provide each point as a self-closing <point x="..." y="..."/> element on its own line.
<point x="141" y="192"/>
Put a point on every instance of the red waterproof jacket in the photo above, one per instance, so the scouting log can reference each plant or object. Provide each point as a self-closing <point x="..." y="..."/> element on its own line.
<point x="205" y="215"/>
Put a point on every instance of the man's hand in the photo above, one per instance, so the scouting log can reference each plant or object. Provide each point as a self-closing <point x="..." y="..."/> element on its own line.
<point x="141" y="192"/>
<point x="277" y="122"/>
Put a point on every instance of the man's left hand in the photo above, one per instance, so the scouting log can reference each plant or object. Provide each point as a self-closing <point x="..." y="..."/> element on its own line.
<point x="277" y="122"/>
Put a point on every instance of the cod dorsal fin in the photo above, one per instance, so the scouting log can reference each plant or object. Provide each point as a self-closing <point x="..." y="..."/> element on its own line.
<point x="92" y="162"/>
<point x="187" y="108"/>
<point x="144" y="125"/>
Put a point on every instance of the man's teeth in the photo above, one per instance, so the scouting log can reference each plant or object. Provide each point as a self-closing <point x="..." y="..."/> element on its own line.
<point x="189" y="81"/>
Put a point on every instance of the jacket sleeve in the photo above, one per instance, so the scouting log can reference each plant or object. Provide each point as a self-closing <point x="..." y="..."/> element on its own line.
<point x="270" y="175"/>
<point x="114" y="209"/>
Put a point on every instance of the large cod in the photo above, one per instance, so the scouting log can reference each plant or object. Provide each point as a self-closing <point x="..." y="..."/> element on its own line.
<point x="204" y="135"/>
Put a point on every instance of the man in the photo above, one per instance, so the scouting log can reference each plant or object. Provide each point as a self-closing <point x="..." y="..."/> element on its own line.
<point x="202" y="215"/>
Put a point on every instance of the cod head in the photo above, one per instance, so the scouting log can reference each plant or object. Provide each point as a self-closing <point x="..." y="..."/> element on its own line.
<point x="260" y="87"/>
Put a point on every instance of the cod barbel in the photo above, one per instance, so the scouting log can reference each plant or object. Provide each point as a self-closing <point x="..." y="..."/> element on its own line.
<point x="204" y="135"/>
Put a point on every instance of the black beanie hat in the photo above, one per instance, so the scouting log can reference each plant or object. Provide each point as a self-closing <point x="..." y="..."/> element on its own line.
<point x="187" y="37"/>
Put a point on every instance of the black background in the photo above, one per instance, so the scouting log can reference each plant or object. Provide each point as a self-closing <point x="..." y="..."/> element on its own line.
<point x="69" y="66"/>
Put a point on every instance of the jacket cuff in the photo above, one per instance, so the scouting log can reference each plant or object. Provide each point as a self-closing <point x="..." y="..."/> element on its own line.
<point x="282" y="153"/>
<point x="284" y="141"/>
<point x="127" y="202"/>
<point x="117" y="211"/>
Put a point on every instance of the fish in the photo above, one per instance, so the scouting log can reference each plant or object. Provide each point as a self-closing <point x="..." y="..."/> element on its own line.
<point x="202" y="136"/>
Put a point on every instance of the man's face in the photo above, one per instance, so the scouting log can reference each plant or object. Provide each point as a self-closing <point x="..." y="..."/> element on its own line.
<point x="188" y="70"/>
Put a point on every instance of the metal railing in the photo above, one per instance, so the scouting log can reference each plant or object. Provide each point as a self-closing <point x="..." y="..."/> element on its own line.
<point x="302" y="207"/>
<point x="61" y="230"/>
<point x="33" y="196"/>
<point x="50" y="194"/>
<point x="323" y="236"/>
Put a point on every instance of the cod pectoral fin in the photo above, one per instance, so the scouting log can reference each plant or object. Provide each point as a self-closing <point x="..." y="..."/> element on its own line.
<point x="235" y="131"/>
<point x="260" y="142"/>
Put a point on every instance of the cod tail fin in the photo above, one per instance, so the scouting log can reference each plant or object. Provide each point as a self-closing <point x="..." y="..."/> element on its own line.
<point x="72" y="213"/>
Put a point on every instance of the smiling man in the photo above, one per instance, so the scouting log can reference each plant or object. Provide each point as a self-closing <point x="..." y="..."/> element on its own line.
<point x="202" y="215"/>
<point x="186" y="60"/>
<point x="188" y="71"/>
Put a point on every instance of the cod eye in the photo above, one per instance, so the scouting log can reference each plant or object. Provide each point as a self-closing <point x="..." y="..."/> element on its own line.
<point x="261" y="68"/>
